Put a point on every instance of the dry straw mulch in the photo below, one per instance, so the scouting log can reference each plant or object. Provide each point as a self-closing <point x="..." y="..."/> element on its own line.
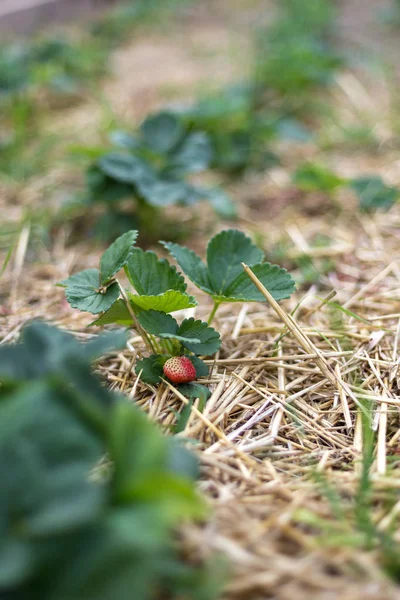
<point x="284" y="419"/>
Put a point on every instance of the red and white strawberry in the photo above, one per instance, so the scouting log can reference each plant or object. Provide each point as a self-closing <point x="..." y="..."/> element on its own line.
<point x="179" y="369"/>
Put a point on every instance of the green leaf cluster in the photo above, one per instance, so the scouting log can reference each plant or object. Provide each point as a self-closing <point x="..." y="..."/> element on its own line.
<point x="72" y="526"/>
<point x="159" y="289"/>
<point x="223" y="277"/>
<point x="153" y="166"/>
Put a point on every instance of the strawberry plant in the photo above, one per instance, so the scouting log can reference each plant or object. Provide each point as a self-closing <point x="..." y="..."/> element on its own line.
<point x="73" y="525"/>
<point x="158" y="289"/>
<point x="371" y="190"/>
<point x="152" y="168"/>
<point x="238" y="134"/>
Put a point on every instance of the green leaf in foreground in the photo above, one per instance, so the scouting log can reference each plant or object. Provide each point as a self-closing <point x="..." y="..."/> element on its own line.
<point x="83" y="292"/>
<point x="277" y="280"/>
<point x="192" y="330"/>
<point x="223" y="277"/>
<point x="191" y="265"/>
<point x="117" y="255"/>
<point x="156" y="322"/>
<point x="225" y="254"/>
<point x="167" y="302"/>
<point x="151" y="276"/>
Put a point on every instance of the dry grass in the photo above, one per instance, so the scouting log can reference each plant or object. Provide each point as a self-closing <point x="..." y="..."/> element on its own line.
<point x="288" y="393"/>
<point x="284" y="413"/>
<point x="283" y="427"/>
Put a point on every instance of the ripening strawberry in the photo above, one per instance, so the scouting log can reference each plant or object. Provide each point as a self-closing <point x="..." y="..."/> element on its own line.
<point x="179" y="369"/>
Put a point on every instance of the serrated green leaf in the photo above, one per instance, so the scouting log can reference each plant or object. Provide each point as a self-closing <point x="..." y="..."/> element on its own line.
<point x="117" y="255"/>
<point x="82" y="292"/>
<point x="162" y="132"/>
<point x="193" y="334"/>
<point x="202" y="369"/>
<point x="118" y="313"/>
<point x="225" y="253"/>
<point x="150" y="369"/>
<point x="191" y="265"/>
<point x="168" y="302"/>
<point x="124" y="167"/>
<point x="151" y="276"/>
<point x="278" y="282"/>
<point x="156" y="322"/>
<point x="192" y="330"/>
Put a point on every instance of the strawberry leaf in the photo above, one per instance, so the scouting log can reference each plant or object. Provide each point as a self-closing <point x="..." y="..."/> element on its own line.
<point x="198" y="337"/>
<point x="151" y="276"/>
<point x="182" y="417"/>
<point x="162" y="132"/>
<point x="124" y="167"/>
<point x="162" y="325"/>
<point x="191" y="265"/>
<point x="278" y="282"/>
<point x="225" y="254"/>
<point x="82" y="292"/>
<point x="118" y="313"/>
<point x="194" y="335"/>
<point x="194" y="391"/>
<point x="167" y="302"/>
<point x="193" y="155"/>
<point x="156" y="322"/>
<point x="200" y="366"/>
<point x="150" y="369"/>
<point x="161" y="192"/>
<point x="223" y="278"/>
<point x="117" y="255"/>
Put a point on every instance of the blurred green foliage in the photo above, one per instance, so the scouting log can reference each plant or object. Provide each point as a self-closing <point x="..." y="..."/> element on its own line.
<point x="73" y="523"/>
<point x="152" y="169"/>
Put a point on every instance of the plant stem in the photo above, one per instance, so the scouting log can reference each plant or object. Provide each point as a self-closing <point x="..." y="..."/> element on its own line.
<point x="138" y="327"/>
<point x="156" y="344"/>
<point x="166" y="346"/>
<point x="212" y="313"/>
